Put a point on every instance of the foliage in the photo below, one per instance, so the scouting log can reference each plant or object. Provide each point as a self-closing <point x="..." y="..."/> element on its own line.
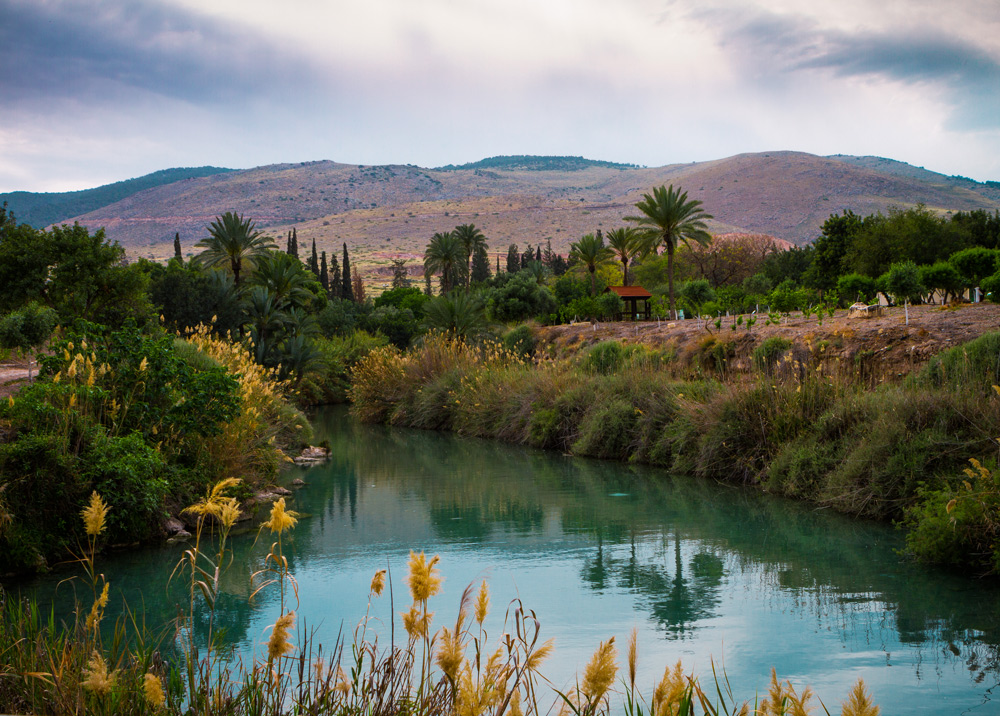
<point x="941" y="276"/>
<point x="27" y="327"/>
<point x="767" y="354"/>
<point x="445" y="255"/>
<point x="787" y="297"/>
<point x="519" y="296"/>
<point x="521" y="341"/>
<point x="232" y="242"/>
<point x="975" y="264"/>
<point x="855" y="287"/>
<point x="590" y="251"/>
<point x="185" y="296"/>
<point x="903" y="281"/>
<point x="459" y="315"/>
<point x="669" y="218"/>
<point x="74" y="272"/>
<point x="404" y="298"/>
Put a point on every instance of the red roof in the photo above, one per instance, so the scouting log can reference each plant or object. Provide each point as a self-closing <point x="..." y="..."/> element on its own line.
<point x="630" y="291"/>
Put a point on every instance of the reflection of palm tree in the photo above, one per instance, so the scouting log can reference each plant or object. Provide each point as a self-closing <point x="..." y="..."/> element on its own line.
<point x="591" y="252"/>
<point x="234" y="240"/>
<point x="668" y="218"/>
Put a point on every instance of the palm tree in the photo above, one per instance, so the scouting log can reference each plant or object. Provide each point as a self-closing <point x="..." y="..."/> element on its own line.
<point x="668" y="217"/>
<point x="285" y="277"/>
<point x="625" y="243"/>
<point x="591" y="252"/>
<point x="267" y="320"/>
<point x="460" y="315"/>
<point x="444" y="254"/>
<point x="235" y="240"/>
<point x="471" y="239"/>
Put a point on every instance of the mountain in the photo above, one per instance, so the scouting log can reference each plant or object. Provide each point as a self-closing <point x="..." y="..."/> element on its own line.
<point x="386" y="212"/>
<point x="40" y="209"/>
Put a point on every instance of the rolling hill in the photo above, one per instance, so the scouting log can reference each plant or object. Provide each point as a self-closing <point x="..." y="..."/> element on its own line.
<point x="385" y="212"/>
<point x="40" y="209"/>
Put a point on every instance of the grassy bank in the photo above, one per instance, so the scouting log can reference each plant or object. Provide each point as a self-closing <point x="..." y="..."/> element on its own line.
<point x="148" y="420"/>
<point x="49" y="667"/>
<point x="895" y="451"/>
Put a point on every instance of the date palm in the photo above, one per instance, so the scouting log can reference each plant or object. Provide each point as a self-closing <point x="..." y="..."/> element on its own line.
<point x="669" y="218"/>
<point x="233" y="240"/>
<point x="625" y="243"/>
<point x="444" y="254"/>
<point x="591" y="252"/>
<point x="471" y="239"/>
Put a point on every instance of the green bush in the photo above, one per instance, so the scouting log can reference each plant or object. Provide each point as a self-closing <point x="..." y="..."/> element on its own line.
<point x="521" y="341"/>
<point x="768" y="353"/>
<point x="604" y="358"/>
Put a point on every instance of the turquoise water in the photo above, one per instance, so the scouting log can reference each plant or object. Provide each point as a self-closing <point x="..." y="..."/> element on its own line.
<point x="703" y="571"/>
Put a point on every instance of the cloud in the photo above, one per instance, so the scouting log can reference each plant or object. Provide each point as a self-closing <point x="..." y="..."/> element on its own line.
<point x="95" y="48"/>
<point x="961" y="66"/>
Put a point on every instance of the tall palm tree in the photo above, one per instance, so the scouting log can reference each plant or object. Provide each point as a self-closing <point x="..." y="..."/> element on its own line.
<point x="591" y="252"/>
<point x="444" y="254"/>
<point x="233" y="239"/>
<point x="471" y="239"/>
<point x="625" y="243"/>
<point x="668" y="218"/>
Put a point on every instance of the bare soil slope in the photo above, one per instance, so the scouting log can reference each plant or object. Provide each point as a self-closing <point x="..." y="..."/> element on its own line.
<point x="388" y="211"/>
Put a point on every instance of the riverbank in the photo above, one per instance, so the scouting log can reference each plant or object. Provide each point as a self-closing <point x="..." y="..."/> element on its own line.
<point x="779" y="419"/>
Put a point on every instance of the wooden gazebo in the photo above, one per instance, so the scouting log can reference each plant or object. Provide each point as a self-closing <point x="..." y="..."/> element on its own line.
<point x="631" y="295"/>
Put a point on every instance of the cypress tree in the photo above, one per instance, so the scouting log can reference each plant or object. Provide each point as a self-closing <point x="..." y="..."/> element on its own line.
<point x="348" y="288"/>
<point x="288" y="244"/>
<point x="527" y="257"/>
<point x="498" y="264"/>
<point x="314" y="261"/>
<point x="513" y="259"/>
<point x="177" y="248"/>
<point x="480" y="265"/>
<point x="547" y="256"/>
<point x="295" y="243"/>
<point x="324" y="274"/>
<point x="538" y="254"/>
<point x="334" y="290"/>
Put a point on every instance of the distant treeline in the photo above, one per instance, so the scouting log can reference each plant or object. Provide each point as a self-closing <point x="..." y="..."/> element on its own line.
<point x="41" y="209"/>
<point x="527" y="162"/>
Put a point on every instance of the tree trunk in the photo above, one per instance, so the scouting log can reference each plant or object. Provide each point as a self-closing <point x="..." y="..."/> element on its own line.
<point x="670" y="279"/>
<point x="624" y="272"/>
<point x="593" y="281"/>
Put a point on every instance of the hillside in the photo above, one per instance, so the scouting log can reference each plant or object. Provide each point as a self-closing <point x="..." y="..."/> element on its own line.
<point x="387" y="212"/>
<point x="41" y="209"/>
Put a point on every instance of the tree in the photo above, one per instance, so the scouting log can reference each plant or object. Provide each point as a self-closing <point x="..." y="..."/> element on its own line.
<point x="480" y="265"/>
<point x="358" y="288"/>
<point x="324" y="272"/>
<point x="27" y="328"/>
<point x="903" y="282"/>
<point x="287" y="280"/>
<point x="335" y="278"/>
<point x="625" y="243"/>
<point x="527" y="257"/>
<point x="697" y="293"/>
<point x="668" y="218"/>
<point x="314" y="260"/>
<point x="590" y="251"/>
<point x="513" y="259"/>
<point x="471" y="239"/>
<point x="855" y="287"/>
<point x="521" y="297"/>
<point x="347" y="292"/>
<point x="400" y="274"/>
<point x="444" y="255"/>
<point x="830" y="250"/>
<point x="233" y="240"/>
<point x="974" y="264"/>
<point x="177" y="247"/>
<point x="941" y="276"/>
<point x="460" y="315"/>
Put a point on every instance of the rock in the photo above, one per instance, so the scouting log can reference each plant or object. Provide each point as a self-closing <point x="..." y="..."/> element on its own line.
<point x="181" y="535"/>
<point x="172" y="526"/>
<point x="298" y="482"/>
<point x="312" y="455"/>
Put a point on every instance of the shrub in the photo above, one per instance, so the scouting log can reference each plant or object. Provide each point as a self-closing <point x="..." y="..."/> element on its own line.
<point x="604" y="358"/>
<point x="767" y="354"/>
<point x="521" y="341"/>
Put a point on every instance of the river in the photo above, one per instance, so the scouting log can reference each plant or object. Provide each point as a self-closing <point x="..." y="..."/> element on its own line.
<point x="705" y="572"/>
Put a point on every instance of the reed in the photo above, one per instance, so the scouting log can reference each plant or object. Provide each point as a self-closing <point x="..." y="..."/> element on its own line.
<point x="49" y="667"/>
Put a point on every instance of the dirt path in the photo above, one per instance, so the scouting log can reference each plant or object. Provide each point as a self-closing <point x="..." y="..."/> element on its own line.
<point x="13" y="376"/>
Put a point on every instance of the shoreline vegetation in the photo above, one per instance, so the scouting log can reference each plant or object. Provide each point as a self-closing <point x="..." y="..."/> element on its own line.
<point x="71" y="669"/>
<point x="896" y="451"/>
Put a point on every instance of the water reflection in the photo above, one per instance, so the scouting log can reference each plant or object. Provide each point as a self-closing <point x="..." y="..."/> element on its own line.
<point x="596" y="548"/>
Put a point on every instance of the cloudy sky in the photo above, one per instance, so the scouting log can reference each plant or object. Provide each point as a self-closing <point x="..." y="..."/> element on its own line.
<point x="94" y="91"/>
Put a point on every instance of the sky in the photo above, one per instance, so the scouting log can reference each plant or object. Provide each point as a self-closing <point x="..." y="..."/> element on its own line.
<point x="96" y="91"/>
